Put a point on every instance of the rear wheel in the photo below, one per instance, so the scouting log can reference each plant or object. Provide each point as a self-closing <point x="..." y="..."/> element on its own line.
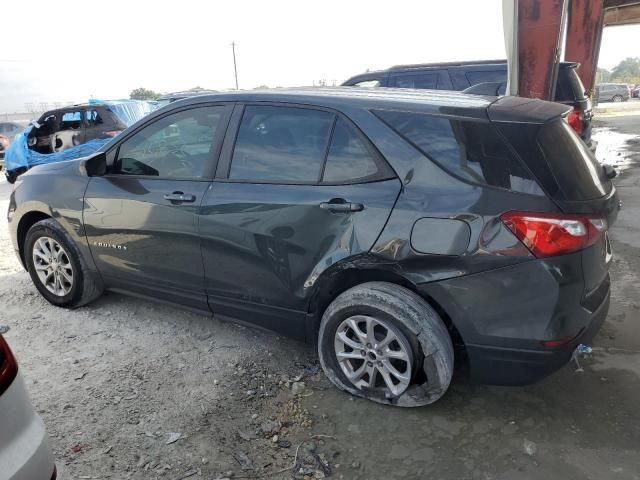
<point x="617" y="98"/>
<point x="383" y="342"/>
<point x="56" y="267"/>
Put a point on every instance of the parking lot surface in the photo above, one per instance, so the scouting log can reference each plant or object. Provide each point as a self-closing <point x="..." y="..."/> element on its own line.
<point x="132" y="389"/>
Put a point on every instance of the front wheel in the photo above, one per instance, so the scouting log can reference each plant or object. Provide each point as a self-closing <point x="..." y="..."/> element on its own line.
<point x="383" y="342"/>
<point x="617" y="98"/>
<point x="56" y="267"/>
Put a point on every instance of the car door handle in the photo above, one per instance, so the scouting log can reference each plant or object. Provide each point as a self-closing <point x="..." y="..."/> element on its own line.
<point x="180" y="197"/>
<point x="342" y="206"/>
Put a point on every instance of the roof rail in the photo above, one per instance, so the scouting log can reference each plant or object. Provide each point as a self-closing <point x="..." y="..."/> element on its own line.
<point x="448" y="64"/>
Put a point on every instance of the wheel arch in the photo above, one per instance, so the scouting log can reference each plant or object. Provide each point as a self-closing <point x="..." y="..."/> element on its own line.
<point x="26" y="222"/>
<point x="340" y="279"/>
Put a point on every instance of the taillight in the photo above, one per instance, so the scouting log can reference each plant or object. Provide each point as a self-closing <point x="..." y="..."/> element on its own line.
<point x="575" y="121"/>
<point x="547" y="235"/>
<point x="8" y="366"/>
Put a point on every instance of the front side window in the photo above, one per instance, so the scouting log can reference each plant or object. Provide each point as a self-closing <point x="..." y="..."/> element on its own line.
<point x="281" y="144"/>
<point x="71" y="121"/>
<point x="471" y="150"/>
<point x="175" y="146"/>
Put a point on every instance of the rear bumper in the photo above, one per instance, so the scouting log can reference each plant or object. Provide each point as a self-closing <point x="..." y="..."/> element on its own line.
<point x="514" y="366"/>
<point x="505" y="315"/>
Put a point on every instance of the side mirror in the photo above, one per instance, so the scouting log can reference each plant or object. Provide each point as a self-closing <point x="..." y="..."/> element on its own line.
<point x="95" y="166"/>
<point x="609" y="171"/>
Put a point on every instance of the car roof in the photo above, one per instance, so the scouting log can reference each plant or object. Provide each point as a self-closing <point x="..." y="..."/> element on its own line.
<point x="71" y="108"/>
<point x="185" y="94"/>
<point x="442" y="102"/>
<point x="448" y="64"/>
<point x="335" y="97"/>
<point x="470" y="63"/>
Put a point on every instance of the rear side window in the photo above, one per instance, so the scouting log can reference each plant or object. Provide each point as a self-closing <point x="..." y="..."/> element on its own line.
<point x="416" y="80"/>
<point x="349" y="157"/>
<point x="471" y="150"/>
<point x="281" y="144"/>
<point x="93" y="118"/>
<point x="576" y="171"/>
<point x="476" y="77"/>
<point x="289" y="145"/>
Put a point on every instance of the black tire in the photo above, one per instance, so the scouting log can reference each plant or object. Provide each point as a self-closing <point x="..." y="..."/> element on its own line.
<point x="84" y="288"/>
<point x="617" y="98"/>
<point x="409" y="315"/>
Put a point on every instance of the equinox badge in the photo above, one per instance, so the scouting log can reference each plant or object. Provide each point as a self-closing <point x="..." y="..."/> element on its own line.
<point x="109" y="245"/>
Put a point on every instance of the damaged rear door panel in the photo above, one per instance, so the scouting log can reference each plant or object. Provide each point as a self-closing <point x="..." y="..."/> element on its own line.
<point x="301" y="190"/>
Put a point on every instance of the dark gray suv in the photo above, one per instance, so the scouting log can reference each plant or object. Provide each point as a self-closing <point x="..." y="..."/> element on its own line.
<point x="396" y="230"/>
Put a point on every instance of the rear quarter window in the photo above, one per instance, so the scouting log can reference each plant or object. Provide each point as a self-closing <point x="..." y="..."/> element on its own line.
<point x="470" y="150"/>
<point x="576" y="171"/>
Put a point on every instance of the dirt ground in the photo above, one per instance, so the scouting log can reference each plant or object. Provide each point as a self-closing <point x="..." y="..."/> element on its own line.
<point x="132" y="389"/>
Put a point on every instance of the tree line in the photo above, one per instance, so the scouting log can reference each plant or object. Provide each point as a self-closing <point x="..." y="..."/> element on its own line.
<point x="627" y="71"/>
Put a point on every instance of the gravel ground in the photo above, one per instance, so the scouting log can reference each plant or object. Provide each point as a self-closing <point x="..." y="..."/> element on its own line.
<point x="132" y="389"/>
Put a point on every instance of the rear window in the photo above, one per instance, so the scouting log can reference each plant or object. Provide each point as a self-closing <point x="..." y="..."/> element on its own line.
<point x="569" y="87"/>
<point x="577" y="172"/>
<point x="471" y="150"/>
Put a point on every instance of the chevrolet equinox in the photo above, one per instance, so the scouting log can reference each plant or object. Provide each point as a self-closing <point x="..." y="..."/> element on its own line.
<point x="394" y="229"/>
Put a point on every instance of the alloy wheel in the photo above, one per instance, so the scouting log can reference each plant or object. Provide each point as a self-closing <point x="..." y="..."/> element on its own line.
<point x="52" y="265"/>
<point x="374" y="355"/>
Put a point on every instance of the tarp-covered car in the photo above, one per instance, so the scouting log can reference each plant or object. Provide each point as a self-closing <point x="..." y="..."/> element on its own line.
<point x="70" y="132"/>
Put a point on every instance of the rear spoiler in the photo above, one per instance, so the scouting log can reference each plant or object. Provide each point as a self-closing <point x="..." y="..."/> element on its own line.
<point x="525" y="110"/>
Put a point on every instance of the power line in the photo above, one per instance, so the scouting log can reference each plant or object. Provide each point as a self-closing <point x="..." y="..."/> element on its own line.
<point x="235" y="69"/>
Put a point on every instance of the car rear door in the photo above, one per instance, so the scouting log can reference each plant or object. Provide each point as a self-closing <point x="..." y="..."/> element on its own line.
<point x="141" y="219"/>
<point x="297" y="190"/>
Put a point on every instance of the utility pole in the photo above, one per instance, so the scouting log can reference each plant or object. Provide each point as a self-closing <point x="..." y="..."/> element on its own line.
<point x="235" y="69"/>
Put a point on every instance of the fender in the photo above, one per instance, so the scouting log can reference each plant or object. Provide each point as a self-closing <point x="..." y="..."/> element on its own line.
<point x="35" y="197"/>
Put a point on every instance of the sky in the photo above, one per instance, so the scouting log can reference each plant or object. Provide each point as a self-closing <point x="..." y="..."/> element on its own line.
<point x="68" y="51"/>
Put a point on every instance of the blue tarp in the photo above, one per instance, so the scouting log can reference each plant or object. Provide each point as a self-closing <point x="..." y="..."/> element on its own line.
<point x="129" y="111"/>
<point x="19" y="155"/>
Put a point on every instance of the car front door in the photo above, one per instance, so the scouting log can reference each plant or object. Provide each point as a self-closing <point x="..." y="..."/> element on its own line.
<point x="297" y="190"/>
<point x="141" y="219"/>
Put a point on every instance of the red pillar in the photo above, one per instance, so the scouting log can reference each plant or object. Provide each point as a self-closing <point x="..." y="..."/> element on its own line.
<point x="584" y="32"/>
<point x="539" y="34"/>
